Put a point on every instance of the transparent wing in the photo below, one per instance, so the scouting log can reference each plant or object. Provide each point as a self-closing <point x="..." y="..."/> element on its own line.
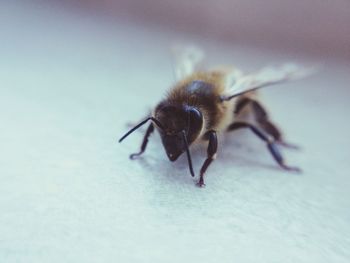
<point x="266" y="77"/>
<point x="187" y="59"/>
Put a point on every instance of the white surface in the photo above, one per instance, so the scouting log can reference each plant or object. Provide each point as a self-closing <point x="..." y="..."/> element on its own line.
<point x="69" y="193"/>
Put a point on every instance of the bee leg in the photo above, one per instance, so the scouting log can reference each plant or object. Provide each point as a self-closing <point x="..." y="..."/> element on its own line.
<point x="150" y="129"/>
<point x="263" y="119"/>
<point x="271" y="145"/>
<point x="271" y="129"/>
<point x="241" y="104"/>
<point x="211" y="155"/>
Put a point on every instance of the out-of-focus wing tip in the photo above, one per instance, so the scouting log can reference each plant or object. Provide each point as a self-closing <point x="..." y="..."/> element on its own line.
<point x="269" y="76"/>
<point x="186" y="58"/>
<point x="288" y="71"/>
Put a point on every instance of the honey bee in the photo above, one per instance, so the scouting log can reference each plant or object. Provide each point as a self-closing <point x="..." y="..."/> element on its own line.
<point x="204" y="104"/>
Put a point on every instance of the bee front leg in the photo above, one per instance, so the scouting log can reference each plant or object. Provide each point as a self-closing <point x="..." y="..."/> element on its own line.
<point x="211" y="155"/>
<point x="150" y="129"/>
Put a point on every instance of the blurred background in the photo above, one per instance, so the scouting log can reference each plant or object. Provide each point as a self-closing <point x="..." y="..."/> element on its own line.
<point x="74" y="73"/>
<point x="317" y="27"/>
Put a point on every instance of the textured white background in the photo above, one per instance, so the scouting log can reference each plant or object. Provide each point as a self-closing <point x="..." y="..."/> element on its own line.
<point x="69" y="83"/>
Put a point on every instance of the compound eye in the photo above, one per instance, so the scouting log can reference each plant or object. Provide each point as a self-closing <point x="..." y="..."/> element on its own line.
<point x="195" y="115"/>
<point x="195" y="123"/>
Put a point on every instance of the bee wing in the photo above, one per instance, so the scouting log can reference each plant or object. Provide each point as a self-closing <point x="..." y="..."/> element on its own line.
<point x="187" y="59"/>
<point x="266" y="77"/>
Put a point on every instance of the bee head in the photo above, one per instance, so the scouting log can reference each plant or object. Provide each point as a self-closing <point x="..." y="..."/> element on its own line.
<point x="181" y="125"/>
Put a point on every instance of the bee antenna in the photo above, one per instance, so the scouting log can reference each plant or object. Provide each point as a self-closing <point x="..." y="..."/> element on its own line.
<point x="139" y="125"/>
<point x="188" y="153"/>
